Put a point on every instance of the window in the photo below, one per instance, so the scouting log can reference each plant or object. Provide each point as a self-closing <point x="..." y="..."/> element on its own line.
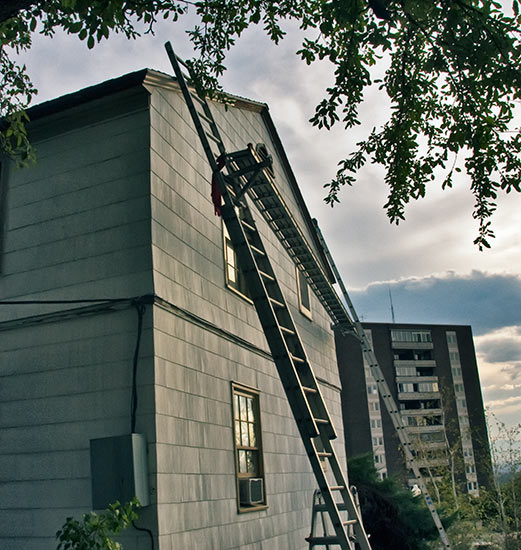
<point x="248" y="449"/>
<point x="454" y="356"/>
<point x="234" y="277"/>
<point x="432" y="437"/>
<point x="371" y="388"/>
<point x="451" y="338"/>
<point x="376" y="423"/>
<point x="411" y="336"/>
<point x="428" y="387"/>
<point x="405" y="371"/>
<point x="304" y="298"/>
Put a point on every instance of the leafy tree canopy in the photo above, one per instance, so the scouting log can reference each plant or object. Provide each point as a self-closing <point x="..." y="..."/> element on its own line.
<point x="393" y="517"/>
<point x="451" y="74"/>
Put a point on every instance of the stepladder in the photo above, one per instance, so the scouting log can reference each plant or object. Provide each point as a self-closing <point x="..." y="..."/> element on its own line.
<point x="244" y="180"/>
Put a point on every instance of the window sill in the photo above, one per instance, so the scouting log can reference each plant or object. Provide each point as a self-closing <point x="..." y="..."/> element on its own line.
<point x="248" y="509"/>
<point x="239" y="293"/>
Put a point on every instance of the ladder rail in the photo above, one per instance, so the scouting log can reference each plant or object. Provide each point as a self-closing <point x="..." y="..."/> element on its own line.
<point x="385" y="394"/>
<point x="299" y="382"/>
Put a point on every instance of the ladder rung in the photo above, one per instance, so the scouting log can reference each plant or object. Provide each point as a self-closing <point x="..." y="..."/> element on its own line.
<point x="309" y="390"/>
<point x="321" y="421"/>
<point x="350" y="522"/>
<point x="257" y="250"/>
<point x="296" y="359"/>
<point x="287" y="330"/>
<point x="197" y="98"/>
<point x="206" y="118"/>
<point x="325" y="454"/>
<point x="276" y="303"/>
<point x="267" y="275"/>
<point x="248" y="226"/>
<point x="212" y="137"/>
<point x="322" y="540"/>
<point x="231" y="190"/>
<point x="336" y="487"/>
<point x="323" y="508"/>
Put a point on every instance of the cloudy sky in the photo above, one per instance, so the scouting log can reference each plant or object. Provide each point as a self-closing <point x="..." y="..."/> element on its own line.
<point x="434" y="272"/>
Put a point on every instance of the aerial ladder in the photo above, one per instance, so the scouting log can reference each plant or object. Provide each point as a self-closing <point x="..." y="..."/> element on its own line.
<point x="248" y="172"/>
<point x="385" y="394"/>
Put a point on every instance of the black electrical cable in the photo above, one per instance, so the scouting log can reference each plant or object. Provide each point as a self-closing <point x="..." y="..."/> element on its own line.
<point x="140" y="308"/>
<point x="83" y="301"/>
<point x="148" y="531"/>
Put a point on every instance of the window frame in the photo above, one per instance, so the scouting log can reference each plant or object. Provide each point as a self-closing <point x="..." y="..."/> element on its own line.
<point x="239" y="390"/>
<point x="301" y="278"/>
<point x="240" y="287"/>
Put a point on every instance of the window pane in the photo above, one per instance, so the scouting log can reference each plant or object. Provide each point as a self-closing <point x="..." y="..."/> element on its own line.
<point x="251" y="417"/>
<point x="243" y="407"/>
<point x="242" y="462"/>
<point x="244" y="434"/>
<point x="304" y="291"/>
<point x="237" y="433"/>
<point x="251" y="460"/>
<point x="236" y="406"/>
<point x="253" y="442"/>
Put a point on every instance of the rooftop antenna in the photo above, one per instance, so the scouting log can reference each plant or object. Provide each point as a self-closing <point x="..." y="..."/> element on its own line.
<point x="392" y="308"/>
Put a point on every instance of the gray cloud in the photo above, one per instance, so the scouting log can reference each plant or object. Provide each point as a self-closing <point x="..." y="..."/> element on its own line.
<point x="501" y="351"/>
<point x="485" y="301"/>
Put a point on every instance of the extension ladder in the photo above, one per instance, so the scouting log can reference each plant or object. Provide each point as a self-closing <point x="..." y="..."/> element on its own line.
<point x="247" y="169"/>
<point x="385" y="394"/>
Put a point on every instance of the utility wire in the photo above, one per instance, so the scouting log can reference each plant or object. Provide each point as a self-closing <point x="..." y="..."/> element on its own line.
<point x="147" y="531"/>
<point x="82" y="301"/>
<point x="140" y="308"/>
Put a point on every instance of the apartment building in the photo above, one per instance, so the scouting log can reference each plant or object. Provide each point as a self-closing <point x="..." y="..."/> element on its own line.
<point x="432" y="374"/>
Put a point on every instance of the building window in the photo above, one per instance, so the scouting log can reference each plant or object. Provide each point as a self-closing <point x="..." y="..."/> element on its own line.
<point x="411" y="336"/>
<point x="304" y="297"/>
<point x="248" y="449"/>
<point x="234" y="277"/>
<point x="451" y="338"/>
<point x="372" y="389"/>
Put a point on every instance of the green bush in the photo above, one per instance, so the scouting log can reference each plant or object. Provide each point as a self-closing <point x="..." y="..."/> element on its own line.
<point x="96" y="531"/>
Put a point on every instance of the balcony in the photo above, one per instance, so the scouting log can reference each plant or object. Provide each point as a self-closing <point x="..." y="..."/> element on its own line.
<point x="412" y="345"/>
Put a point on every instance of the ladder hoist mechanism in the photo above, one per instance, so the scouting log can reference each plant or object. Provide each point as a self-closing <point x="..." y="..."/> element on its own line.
<point x="383" y="389"/>
<point x="247" y="171"/>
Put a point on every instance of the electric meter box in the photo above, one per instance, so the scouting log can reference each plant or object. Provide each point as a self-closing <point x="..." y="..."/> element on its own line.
<point x="118" y="468"/>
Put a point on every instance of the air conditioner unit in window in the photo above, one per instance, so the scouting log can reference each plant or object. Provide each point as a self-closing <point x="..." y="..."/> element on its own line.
<point x="251" y="491"/>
